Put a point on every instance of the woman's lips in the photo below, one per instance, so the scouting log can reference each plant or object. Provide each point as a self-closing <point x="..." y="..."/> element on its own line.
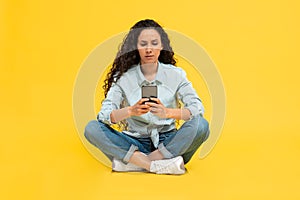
<point x="149" y="57"/>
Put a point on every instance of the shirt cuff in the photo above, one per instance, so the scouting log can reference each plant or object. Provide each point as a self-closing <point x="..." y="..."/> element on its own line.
<point x="105" y="119"/>
<point x="195" y="111"/>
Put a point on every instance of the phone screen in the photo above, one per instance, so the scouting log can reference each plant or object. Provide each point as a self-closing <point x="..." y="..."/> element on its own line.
<point x="149" y="91"/>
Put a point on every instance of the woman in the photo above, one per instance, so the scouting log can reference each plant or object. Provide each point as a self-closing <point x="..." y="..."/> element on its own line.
<point x="150" y="141"/>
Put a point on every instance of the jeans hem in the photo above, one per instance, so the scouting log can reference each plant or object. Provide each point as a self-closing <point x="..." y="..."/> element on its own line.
<point x="128" y="155"/>
<point x="164" y="151"/>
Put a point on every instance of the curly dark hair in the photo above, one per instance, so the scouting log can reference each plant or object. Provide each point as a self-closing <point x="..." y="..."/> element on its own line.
<point x="128" y="54"/>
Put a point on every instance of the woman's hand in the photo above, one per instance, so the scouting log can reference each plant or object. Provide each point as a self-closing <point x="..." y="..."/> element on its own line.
<point x="158" y="108"/>
<point x="139" y="108"/>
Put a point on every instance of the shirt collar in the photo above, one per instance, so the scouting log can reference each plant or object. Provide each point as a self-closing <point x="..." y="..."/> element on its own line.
<point x="143" y="81"/>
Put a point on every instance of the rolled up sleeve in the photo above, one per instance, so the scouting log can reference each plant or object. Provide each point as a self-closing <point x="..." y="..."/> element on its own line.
<point x="110" y="103"/>
<point x="189" y="97"/>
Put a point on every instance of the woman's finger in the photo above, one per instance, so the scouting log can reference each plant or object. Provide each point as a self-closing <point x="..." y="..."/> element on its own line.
<point x="156" y="100"/>
<point x="144" y="106"/>
<point x="143" y="100"/>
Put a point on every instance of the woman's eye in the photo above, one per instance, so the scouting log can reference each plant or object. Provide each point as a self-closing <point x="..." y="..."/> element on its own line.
<point x="143" y="44"/>
<point x="154" y="43"/>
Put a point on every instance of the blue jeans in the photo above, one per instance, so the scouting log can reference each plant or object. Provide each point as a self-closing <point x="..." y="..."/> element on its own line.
<point x="182" y="142"/>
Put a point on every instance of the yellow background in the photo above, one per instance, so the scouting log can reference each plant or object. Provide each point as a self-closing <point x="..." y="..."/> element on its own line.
<point x="255" y="45"/>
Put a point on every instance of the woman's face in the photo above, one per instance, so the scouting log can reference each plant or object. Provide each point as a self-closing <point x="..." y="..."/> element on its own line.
<point x="149" y="46"/>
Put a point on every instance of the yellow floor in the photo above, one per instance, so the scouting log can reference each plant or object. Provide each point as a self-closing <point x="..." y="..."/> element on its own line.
<point x="255" y="45"/>
<point x="53" y="164"/>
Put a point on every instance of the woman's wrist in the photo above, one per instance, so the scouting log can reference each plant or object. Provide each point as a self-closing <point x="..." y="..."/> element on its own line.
<point x="120" y="114"/>
<point x="168" y="113"/>
<point x="129" y="111"/>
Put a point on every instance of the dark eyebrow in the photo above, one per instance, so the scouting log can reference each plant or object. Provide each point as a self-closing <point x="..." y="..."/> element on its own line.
<point x="151" y="40"/>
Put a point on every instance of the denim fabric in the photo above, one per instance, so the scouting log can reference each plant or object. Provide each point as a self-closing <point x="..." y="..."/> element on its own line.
<point x="184" y="141"/>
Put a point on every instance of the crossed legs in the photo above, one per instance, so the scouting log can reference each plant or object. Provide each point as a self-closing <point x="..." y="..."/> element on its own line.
<point x="183" y="142"/>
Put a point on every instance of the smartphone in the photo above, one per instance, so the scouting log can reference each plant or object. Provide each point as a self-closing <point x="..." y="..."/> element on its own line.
<point x="149" y="91"/>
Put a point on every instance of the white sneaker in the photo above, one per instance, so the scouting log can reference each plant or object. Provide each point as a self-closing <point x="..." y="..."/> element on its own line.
<point x="168" y="166"/>
<point x="119" y="166"/>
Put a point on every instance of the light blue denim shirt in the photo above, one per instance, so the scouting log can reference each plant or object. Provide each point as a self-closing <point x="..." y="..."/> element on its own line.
<point x="172" y="86"/>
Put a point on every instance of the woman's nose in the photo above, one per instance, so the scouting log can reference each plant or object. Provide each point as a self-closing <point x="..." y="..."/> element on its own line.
<point x="149" y="49"/>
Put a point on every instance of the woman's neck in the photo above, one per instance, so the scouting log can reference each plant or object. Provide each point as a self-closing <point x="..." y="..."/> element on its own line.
<point x="149" y="70"/>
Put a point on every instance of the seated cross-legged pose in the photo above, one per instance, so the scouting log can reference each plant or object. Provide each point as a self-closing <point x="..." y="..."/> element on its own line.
<point x="142" y="92"/>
